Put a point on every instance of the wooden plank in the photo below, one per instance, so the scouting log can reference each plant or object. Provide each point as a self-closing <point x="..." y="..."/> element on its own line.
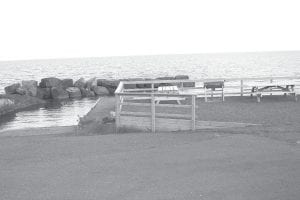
<point x="193" y="112"/>
<point x="135" y="113"/>
<point x="139" y="89"/>
<point x="208" y="80"/>
<point x="159" y="115"/>
<point x="173" y="105"/>
<point x="153" y="113"/>
<point x="117" y="110"/>
<point x="157" y="105"/>
<point x="136" y="104"/>
<point x="173" y="115"/>
<point x="156" y="94"/>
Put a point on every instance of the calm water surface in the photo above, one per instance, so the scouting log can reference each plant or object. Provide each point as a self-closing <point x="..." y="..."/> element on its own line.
<point x="63" y="113"/>
<point x="197" y="66"/>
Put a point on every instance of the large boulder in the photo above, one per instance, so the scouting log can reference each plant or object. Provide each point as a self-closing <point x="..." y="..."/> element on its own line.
<point x="87" y="93"/>
<point x="30" y="87"/>
<point x="138" y="85"/>
<point x="100" y="90"/>
<point x="182" y="77"/>
<point x="6" y="105"/>
<point x="164" y="84"/>
<point x="91" y="83"/>
<point x="50" y="82"/>
<point x="185" y="77"/>
<point x="12" y="89"/>
<point x="14" y="102"/>
<point x="189" y="84"/>
<point x="67" y="83"/>
<point x="165" y="78"/>
<point x="6" y="102"/>
<point x="100" y="81"/>
<point x="80" y="83"/>
<point x="43" y="93"/>
<point x="111" y="85"/>
<point x="21" y="91"/>
<point x="74" y="92"/>
<point x="59" y="93"/>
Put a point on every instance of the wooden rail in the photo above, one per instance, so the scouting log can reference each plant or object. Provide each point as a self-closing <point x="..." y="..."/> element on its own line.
<point x="154" y="120"/>
<point x="154" y="116"/>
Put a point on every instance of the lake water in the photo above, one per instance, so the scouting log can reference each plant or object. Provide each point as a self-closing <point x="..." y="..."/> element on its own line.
<point x="230" y="65"/>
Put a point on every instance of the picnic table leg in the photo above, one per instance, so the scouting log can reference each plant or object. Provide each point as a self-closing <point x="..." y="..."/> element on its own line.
<point x="252" y="91"/>
<point x="223" y="98"/>
<point x="295" y="96"/>
<point x="258" y="96"/>
<point x="205" y="97"/>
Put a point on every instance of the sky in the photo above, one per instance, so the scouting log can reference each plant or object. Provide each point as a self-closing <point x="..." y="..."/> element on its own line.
<point x="43" y="29"/>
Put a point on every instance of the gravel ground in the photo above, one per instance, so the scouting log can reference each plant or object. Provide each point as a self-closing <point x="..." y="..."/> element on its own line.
<point x="149" y="166"/>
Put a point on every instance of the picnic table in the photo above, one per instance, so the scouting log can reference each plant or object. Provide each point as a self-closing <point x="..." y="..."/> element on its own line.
<point x="169" y="90"/>
<point x="274" y="88"/>
<point x="164" y="90"/>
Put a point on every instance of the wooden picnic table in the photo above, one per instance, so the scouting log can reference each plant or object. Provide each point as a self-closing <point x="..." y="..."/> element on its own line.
<point x="168" y="90"/>
<point x="273" y="88"/>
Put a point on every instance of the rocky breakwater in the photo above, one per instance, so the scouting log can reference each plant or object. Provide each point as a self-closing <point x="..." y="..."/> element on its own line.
<point x="29" y="93"/>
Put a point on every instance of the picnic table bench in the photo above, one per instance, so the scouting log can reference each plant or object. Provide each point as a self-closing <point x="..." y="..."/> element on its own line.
<point x="164" y="90"/>
<point x="274" y="88"/>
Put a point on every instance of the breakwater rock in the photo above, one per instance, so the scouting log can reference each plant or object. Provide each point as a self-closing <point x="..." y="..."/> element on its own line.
<point x="55" y="88"/>
<point x="31" y="92"/>
<point x="14" y="102"/>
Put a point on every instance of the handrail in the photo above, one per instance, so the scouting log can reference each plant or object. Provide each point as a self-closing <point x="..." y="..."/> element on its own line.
<point x="151" y="94"/>
<point x="120" y="87"/>
<point x="158" y="81"/>
<point x="207" y="80"/>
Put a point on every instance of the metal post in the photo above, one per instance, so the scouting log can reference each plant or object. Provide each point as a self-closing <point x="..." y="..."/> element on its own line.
<point x="152" y="113"/>
<point x="181" y="85"/>
<point x="242" y="88"/>
<point x="271" y="81"/>
<point x="205" y="97"/>
<point x="193" y="112"/>
<point x="223" y="97"/>
<point x="118" y="111"/>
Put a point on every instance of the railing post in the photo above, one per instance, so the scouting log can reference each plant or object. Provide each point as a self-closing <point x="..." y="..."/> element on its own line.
<point x="242" y="88"/>
<point x="152" y="113"/>
<point x="193" y="112"/>
<point x="271" y="81"/>
<point x="117" y="112"/>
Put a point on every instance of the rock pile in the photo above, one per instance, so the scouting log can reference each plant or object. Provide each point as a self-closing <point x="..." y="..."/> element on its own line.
<point x="55" y="88"/>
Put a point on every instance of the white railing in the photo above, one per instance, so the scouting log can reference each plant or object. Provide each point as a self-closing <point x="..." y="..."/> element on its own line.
<point x="191" y="89"/>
